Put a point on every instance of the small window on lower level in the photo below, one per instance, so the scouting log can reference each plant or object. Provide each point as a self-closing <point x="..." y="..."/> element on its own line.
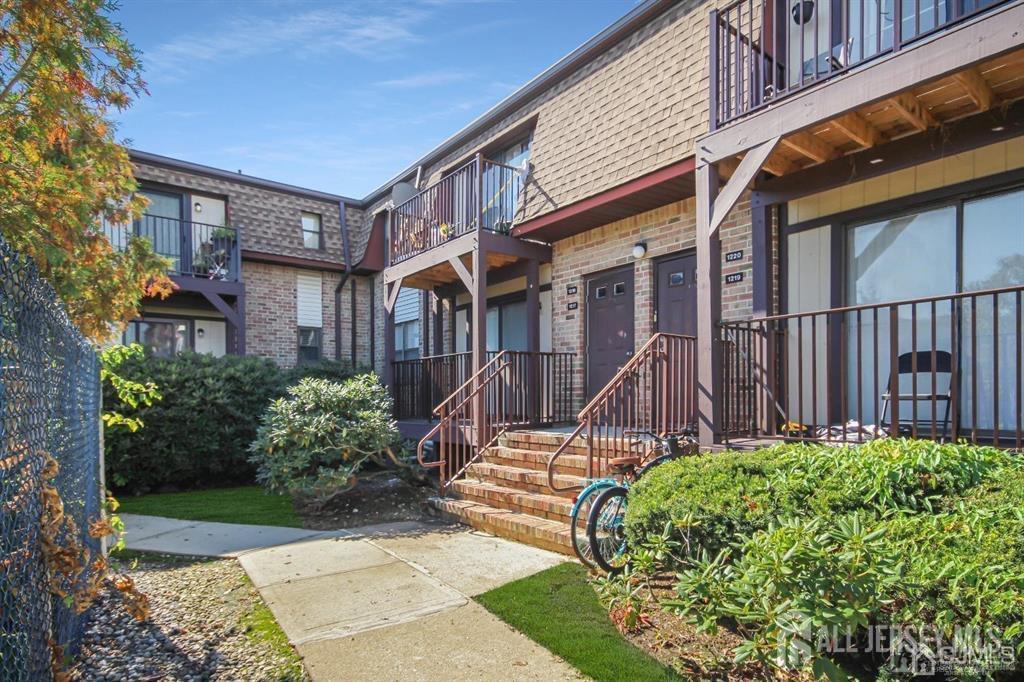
<point x="162" y="337"/>
<point x="601" y="292"/>
<point x="619" y="289"/>
<point x="407" y="340"/>
<point x="310" y="344"/>
<point x="676" y="279"/>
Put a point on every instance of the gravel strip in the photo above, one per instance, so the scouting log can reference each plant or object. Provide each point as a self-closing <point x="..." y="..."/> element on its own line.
<point x="197" y="628"/>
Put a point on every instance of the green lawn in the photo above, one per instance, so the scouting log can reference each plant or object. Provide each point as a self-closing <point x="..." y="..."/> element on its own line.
<point x="246" y="504"/>
<point x="559" y="610"/>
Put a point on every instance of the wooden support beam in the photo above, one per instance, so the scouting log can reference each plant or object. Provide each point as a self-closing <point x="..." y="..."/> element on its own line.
<point x="391" y="294"/>
<point x="977" y="89"/>
<point x="431" y="257"/>
<point x="912" y="111"/>
<point x="857" y="128"/>
<point x="779" y="165"/>
<point x="709" y="307"/>
<point x="745" y="172"/>
<point x="463" y="272"/>
<point x="811" y="146"/>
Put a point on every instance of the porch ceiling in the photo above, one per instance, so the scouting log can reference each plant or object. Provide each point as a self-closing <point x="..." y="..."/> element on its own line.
<point x="989" y="86"/>
<point x="443" y="273"/>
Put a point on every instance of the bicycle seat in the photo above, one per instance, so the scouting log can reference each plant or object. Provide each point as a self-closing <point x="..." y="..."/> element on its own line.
<point x="621" y="464"/>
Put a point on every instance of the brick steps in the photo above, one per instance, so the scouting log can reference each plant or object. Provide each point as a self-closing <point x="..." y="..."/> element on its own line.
<point x="552" y="507"/>
<point x="506" y="493"/>
<point x="527" y="480"/>
<point x="574" y="465"/>
<point x="525" y="528"/>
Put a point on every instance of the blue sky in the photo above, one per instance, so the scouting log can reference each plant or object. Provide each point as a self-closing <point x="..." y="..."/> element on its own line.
<point x="336" y="96"/>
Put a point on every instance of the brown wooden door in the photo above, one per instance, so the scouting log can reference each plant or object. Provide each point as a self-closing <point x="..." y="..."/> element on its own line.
<point x="609" y="326"/>
<point x="677" y="295"/>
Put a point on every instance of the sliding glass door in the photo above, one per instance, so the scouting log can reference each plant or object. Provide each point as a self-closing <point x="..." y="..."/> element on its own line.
<point x="993" y="258"/>
<point x="971" y="245"/>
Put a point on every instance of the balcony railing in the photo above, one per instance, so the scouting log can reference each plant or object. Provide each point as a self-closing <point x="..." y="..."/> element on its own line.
<point x="422" y="384"/>
<point x="480" y="195"/>
<point x="944" y="368"/>
<point x="194" y="249"/>
<point x="764" y="50"/>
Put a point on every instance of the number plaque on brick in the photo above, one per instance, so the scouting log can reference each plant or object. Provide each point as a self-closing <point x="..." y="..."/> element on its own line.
<point x="570" y="290"/>
<point x="734" y="278"/>
<point x="734" y="256"/>
<point x="573" y="306"/>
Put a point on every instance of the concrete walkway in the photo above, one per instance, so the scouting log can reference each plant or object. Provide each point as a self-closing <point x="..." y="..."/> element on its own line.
<point x="388" y="602"/>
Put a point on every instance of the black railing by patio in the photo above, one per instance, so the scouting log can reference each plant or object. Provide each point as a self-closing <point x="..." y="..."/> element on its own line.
<point x="482" y="194"/>
<point x="422" y="384"/>
<point x="943" y="367"/>
<point x="194" y="249"/>
<point x="764" y="50"/>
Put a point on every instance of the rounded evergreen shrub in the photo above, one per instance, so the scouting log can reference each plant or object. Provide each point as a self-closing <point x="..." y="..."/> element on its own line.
<point x="316" y="439"/>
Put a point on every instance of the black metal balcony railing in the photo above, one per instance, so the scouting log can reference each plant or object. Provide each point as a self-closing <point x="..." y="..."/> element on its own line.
<point x="482" y="194"/>
<point x="764" y="50"/>
<point x="194" y="249"/>
<point x="944" y="367"/>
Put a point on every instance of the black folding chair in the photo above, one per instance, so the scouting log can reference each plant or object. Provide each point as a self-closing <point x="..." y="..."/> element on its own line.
<point x="905" y="365"/>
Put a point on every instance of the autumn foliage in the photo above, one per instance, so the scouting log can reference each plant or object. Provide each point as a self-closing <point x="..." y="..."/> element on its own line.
<point x="64" y="68"/>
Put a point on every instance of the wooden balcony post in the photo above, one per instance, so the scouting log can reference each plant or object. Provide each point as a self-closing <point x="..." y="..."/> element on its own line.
<point x="479" y="349"/>
<point x="709" y="308"/>
<point x="479" y="192"/>
<point x="536" y="381"/>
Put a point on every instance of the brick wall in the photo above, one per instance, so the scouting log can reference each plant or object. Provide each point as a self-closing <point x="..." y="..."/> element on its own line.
<point x="270" y="314"/>
<point x="666" y="230"/>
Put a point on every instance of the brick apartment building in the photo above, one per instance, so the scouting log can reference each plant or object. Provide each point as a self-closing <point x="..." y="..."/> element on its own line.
<point x="744" y="219"/>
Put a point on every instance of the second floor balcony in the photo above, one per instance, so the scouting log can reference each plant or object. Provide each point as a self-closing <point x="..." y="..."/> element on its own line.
<point x="762" y="51"/>
<point x="196" y="250"/>
<point x="480" y="195"/>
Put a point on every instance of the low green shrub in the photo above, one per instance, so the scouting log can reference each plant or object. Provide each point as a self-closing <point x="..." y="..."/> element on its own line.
<point x="198" y="435"/>
<point x="316" y="439"/>
<point x="718" y="495"/>
<point x="816" y="539"/>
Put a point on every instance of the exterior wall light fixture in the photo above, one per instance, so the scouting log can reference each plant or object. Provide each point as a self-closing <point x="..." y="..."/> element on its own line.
<point x="639" y="250"/>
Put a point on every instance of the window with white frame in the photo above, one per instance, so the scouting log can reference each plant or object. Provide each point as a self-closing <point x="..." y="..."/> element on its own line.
<point x="310" y="345"/>
<point x="309" y="315"/>
<point x="312" y="231"/>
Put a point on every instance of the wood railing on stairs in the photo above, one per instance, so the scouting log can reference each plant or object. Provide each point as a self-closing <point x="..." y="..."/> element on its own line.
<point x="516" y="389"/>
<point x="655" y="391"/>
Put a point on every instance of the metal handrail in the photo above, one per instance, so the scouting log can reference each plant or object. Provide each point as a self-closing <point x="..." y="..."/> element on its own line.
<point x="490" y="412"/>
<point x="640" y="369"/>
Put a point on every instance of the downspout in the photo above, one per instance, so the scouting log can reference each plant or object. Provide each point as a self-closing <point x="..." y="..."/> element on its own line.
<point x="347" y="256"/>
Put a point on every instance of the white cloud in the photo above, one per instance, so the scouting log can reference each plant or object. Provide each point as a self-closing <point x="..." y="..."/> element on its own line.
<point x="375" y="31"/>
<point x="426" y="79"/>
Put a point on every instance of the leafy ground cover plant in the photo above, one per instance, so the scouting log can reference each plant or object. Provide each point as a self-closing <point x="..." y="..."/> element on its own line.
<point x="316" y="439"/>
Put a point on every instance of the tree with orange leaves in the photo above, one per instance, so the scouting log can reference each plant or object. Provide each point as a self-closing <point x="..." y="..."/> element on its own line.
<point x="64" y="67"/>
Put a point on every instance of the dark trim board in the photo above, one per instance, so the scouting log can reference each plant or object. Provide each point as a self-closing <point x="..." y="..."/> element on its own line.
<point x="291" y="261"/>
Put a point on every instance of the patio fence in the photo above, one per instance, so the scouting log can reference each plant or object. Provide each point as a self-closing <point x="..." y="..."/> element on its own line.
<point x="49" y="406"/>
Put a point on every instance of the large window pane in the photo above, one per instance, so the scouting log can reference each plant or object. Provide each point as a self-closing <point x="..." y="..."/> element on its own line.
<point x="164" y="338"/>
<point x="993" y="258"/>
<point x="513" y="326"/>
<point x="162" y="225"/>
<point x="911" y="256"/>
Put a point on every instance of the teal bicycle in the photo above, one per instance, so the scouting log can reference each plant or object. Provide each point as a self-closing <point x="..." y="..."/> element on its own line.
<point x="606" y="520"/>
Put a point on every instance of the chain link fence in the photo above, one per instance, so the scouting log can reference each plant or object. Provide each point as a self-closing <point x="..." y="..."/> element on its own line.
<point x="49" y="407"/>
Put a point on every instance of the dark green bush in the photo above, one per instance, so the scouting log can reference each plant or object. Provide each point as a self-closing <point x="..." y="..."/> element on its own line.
<point x="199" y="433"/>
<point x="316" y="439"/>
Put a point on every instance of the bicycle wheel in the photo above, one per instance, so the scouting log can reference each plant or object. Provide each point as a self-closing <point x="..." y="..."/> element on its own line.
<point x="578" y="521"/>
<point x="606" y="528"/>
